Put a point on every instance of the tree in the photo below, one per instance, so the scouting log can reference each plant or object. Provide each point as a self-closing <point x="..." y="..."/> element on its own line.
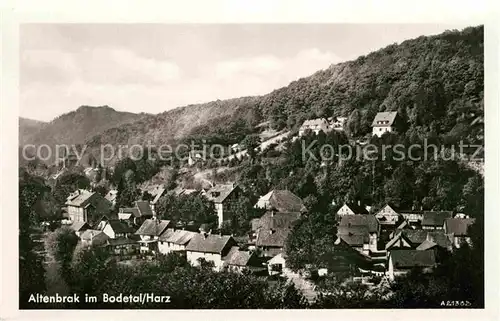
<point x="31" y="270"/>
<point x="61" y="243"/>
<point x="251" y="142"/>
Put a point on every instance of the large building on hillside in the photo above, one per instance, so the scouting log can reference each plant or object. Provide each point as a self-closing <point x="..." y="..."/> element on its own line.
<point x="221" y="196"/>
<point x="384" y="122"/>
<point x="86" y="206"/>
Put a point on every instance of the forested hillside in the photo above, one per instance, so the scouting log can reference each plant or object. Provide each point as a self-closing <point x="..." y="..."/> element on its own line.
<point x="435" y="83"/>
<point x="27" y="128"/>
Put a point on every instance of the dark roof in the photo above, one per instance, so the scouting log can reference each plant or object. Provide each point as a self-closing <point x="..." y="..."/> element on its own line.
<point x="144" y="208"/>
<point x="355" y="239"/>
<point x="272" y="237"/>
<point x="458" y="226"/>
<point x="276" y="220"/>
<point x="412" y="258"/>
<point x="180" y="237"/>
<point x="132" y="210"/>
<point x="120" y="227"/>
<point x="152" y="227"/>
<point x="415" y="236"/>
<point x="357" y="209"/>
<point x="237" y="257"/>
<point x="435" y="218"/>
<point x="370" y="221"/>
<point x="284" y="201"/>
<point x="219" y="193"/>
<point x="387" y="117"/>
<point x="440" y="238"/>
<point x="209" y="243"/>
<point x="79" y="226"/>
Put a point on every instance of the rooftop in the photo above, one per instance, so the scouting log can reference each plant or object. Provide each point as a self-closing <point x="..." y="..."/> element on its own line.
<point x="209" y="243"/>
<point x="385" y="118"/>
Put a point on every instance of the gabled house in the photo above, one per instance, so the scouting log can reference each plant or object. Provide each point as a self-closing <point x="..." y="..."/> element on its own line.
<point x="272" y="230"/>
<point x="136" y="215"/>
<point x="238" y="260"/>
<point x="433" y="220"/>
<point x="360" y="232"/>
<point x="400" y="240"/>
<point x="387" y="215"/>
<point x="210" y="247"/>
<point x="80" y="227"/>
<point x="458" y="230"/>
<point x="86" y="206"/>
<point x="281" y="201"/>
<point x="174" y="240"/>
<point x="315" y="125"/>
<point x="351" y="209"/>
<point x="93" y="238"/>
<point x="149" y="233"/>
<point x="117" y="228"/>
<point x="404" y="225"/>
<point x="384" y="122"/>
<point x="403" y="261"/>
<point x="123" y="246"/>
<point x="221" y="196"/>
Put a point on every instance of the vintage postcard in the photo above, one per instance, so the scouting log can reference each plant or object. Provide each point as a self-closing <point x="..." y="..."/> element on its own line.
<point x="316" y="166"/>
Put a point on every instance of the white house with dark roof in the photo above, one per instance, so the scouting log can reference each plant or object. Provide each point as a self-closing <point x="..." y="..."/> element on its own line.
<point x="141" y="211"/>
<point x="360" y="232"/>
<point x="117" y="228"/>
<point x="384" y="122"/>
<point x="221" y="195"/>
<point x="150" y="232"/>
<point x="315" y="125"/>
<point x="351" y="209"/>
<point x="174" y="240"/>
<point x="210" y="247"/>
<point x="238" y="260"/>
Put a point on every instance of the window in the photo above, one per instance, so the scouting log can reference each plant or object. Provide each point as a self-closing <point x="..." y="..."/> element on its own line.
<point x="380" y="129"/>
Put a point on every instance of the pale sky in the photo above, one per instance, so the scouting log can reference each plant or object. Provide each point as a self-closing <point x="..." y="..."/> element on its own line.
<point x="156" y="67"/>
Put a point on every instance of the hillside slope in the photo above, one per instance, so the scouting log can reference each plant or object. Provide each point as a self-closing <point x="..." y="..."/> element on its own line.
<point x="28" y="127"/>
<point x="435" y="83"/>
<point x="77" y="126"/>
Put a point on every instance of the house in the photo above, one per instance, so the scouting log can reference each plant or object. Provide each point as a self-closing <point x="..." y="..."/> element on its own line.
<point x="150" y="232"/>
<point x="272" y="230"/>
<point x="174" y="240"/>
<point x="111" y="197"/>
<point x="337" y="123"/>
<point x="117" y="228"/>
<point x="387" y="215"/>
<point x="86" y="206"/>
<point x="458" y="230"/>
<point x="93" y="238"/>
<point x="435" y="220"/>
<point x="434" y="240"/>
<point x="400" y="240"/>
<point x="123" y="246"/>
<point x="360" y="232"/>
<point x="281" y="201"/>
<point x="79" y="227"/>
<point x="384" y="122"/>
<point x="415" y="239"/>
<point x="137" y="214"/>
<point x="277" y="265"/>
<point x="238" y="260"/>
<point x="211" y="247"/>
<point x="315" y="125"/>
<point x="351" y="209"/>
<point x="403" y="261"/>
<point x="404" y="225"/>
<point x="221" y="195"/>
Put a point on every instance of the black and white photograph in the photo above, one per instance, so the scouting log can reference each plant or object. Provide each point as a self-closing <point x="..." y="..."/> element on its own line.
<point x="283" y="166"/>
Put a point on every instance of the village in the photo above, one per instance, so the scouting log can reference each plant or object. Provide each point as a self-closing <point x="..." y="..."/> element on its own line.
<point x="386" y="242"/>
